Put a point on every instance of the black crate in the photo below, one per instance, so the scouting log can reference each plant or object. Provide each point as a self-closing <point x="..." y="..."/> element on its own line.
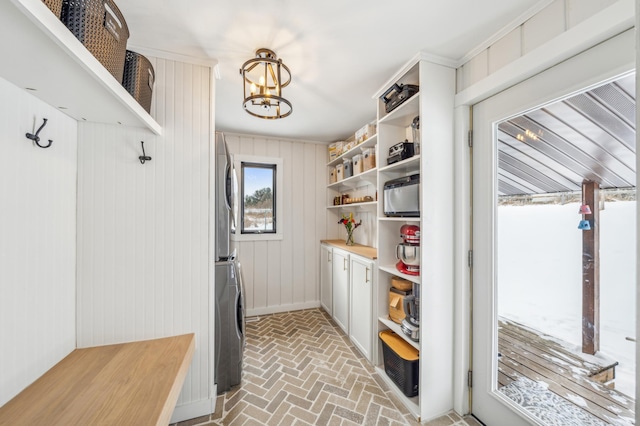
<point x="138" y="78"/>
<point x="101" y="28"/>
<point x="403" y="372"/>
<point x="55" y="6"/>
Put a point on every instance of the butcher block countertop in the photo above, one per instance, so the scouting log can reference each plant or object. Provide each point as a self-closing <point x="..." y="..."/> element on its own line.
<point x="359" y="249"/>
<point x="135" y="383"/>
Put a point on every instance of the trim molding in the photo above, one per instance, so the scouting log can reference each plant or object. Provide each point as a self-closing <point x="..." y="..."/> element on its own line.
<point x="282" y="308"/>
<point x="194" y="409"/>
<point x="162" y="54"/>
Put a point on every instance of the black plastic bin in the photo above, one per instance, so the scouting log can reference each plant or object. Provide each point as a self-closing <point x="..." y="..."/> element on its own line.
<point x="55" y="6"/>
<point x="138" y="78"/>
<point x="101" y="28"/>
<point x="401" y="362"/>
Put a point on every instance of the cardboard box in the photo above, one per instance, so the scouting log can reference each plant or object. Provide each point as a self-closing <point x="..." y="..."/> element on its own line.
<point x="365" y="132"/>
<point x="335" y="150"/>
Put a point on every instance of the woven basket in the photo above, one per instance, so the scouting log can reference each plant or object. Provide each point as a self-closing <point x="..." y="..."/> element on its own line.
<point x="101" y="28"/>
<point x="55" y="6"/>
<point x="138" y="78"/>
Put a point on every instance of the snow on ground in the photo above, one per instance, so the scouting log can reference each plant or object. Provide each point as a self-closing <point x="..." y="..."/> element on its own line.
<point x="540" y="276"/>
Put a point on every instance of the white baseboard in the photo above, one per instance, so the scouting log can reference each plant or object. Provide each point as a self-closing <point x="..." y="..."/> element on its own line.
<point x="192" y="410"/>
<point x="282" y="308"/>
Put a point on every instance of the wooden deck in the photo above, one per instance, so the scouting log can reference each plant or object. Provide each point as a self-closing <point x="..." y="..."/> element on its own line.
<point x="573" y="376"/>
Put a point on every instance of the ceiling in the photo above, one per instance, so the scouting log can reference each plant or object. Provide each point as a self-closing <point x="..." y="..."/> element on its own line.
<point x="340" y="52"/>
<point x="589" y="136"/>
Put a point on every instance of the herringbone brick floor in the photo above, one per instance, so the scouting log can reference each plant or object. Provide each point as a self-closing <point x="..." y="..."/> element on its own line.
<point x="300" y="369"/>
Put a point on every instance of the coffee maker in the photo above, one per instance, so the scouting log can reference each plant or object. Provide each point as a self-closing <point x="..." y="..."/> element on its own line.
<point x="411" y="323"/>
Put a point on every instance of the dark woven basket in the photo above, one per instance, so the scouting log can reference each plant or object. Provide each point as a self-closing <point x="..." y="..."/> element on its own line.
<point x="138" y="78"/>
<point x="55" y="6"/>
<point x="101" y="28"/>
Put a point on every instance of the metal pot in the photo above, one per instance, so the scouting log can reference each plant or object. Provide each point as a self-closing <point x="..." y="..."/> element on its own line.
<point x="409" y="254"/>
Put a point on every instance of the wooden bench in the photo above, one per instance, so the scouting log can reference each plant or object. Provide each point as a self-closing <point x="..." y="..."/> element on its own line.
<point x="135" y="383"/>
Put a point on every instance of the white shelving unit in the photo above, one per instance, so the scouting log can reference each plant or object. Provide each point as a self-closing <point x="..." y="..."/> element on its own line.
<point x="46" y="59"/>
<point x="434" y="162"/>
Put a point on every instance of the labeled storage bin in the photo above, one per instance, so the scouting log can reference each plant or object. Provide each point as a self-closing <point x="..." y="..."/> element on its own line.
<point x="348" y="168"/>
<point x="101" y="28"/>
<point x="339" y="172"/>
<point x="357" y="164"/>
<point x="138" y="78"/>
<point x="368" y="159"/>
<point x="401" y="362"/>
<point x="332" y="175"/>
<point x="55" y="6"/>
<point x="335" y="150"/>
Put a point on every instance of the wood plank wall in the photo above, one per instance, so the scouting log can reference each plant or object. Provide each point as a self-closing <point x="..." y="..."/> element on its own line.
<point x="549" y="23"/>
<point x="143" y="230"/>
<point x="37" y="239"/>
<point x="283" y="275"/>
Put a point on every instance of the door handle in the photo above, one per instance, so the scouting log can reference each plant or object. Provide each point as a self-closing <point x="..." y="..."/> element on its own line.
<point x="329" y="257"/>
<point x="366" y="275"/>
<point x="344" y="264"/>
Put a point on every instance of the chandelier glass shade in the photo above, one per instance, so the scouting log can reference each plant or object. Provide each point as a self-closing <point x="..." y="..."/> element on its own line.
<point x="263" y="79"/>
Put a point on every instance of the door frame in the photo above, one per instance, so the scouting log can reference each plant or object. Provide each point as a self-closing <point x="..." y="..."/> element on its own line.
<point x="599" y="64"/>
<point x="613" y="20"/>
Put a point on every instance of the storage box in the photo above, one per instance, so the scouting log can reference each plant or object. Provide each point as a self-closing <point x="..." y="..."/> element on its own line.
<point x="365" y="132"/>
<point x="339" y="172"/>
<point x="101" y="28"/>
<point x="335" y="150"/>
<point x="401" y="362"/>
<point x="357" y="164"/>
<point x="368" y="159"/>
<point x="138" y="78"/>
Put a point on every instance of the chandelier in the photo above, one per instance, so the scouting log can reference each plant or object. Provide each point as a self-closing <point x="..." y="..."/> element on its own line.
<point x="264" y="77"/>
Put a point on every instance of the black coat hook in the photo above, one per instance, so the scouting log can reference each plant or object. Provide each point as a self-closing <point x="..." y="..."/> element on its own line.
<point x="144" y="156"/>
<point x="36" y="138"/>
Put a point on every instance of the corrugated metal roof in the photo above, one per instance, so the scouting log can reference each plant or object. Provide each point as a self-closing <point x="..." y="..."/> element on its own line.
<point x="589" y="136"/>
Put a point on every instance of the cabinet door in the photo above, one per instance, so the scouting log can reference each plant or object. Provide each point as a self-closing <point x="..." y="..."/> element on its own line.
<point x="340" y="289"/>
<point x="326" y="270"/>
<point x="361" y="323"/>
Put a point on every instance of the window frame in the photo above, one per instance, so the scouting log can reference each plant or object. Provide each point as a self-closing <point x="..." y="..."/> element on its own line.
<point x="267" y="162"/>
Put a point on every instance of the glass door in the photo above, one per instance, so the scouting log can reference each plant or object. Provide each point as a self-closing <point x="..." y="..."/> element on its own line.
<point x="554" y="317"/>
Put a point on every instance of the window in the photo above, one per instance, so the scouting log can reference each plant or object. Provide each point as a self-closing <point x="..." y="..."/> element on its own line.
<point x="259" y="201"/>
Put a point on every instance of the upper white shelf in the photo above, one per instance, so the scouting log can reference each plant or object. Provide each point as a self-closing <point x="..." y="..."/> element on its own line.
<point x="404" y="114"/>
<point x="41" y="55"/>
<point x="355" y="181"/>
<point x="411" y="164"/>
<point x="355" y="150"/>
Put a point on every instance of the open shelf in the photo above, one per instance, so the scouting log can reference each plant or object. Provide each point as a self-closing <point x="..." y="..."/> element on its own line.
<point x="369" y="177"/>
<point x="411" y="164"/>
<point x="410" y="403"/>
<point x="400" y="219"/>
<point x="42" y="56"/>
<point x="403" y="115"/>
<point x="369" y="206"/>
<point x="396" y="329"/>
<point x="355" y="150"/>
<point x="391" y="269"/>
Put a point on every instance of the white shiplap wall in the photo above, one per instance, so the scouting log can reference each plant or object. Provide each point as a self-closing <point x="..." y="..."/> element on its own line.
<point x="143" y="230"/>
<point x="558" y="17"/>
<point x="283" y="275"/>
<point x="37" y="239"/>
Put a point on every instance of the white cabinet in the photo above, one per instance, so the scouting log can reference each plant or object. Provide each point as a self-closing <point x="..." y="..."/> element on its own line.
<point x="340" y="291"/>
<point x="360" y="316"/>
<point x="326" y="272"/>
